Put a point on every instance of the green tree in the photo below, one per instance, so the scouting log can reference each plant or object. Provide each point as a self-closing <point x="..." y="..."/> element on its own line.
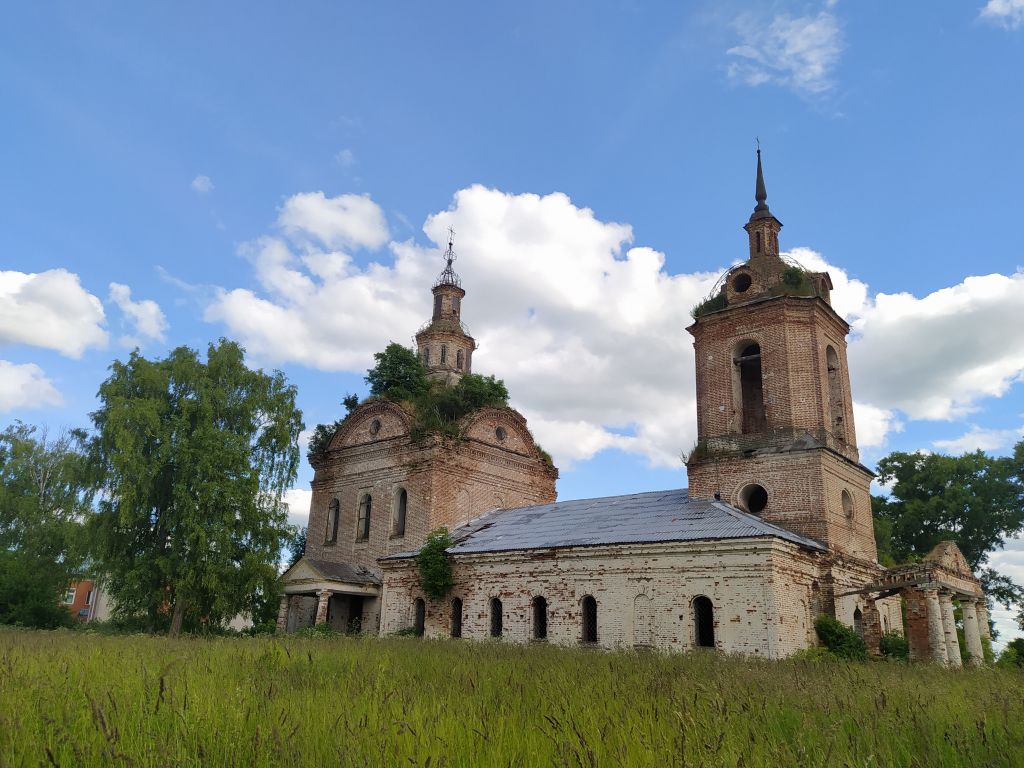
<point x="1013" y="654"/>
<point x="975" y="500"/>
<point x="194" y="459"/>
<point x="297" y="548"/>
<point x="44" y="497"/>
<point x="397" y="375"/>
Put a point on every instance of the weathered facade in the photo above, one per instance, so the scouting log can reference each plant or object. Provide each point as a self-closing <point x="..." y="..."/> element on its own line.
<point x="774" y="530"/>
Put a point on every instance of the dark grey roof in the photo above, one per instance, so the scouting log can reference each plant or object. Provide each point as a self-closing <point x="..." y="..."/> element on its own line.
<point x="639" y="518"/>
<point x="351" y="574"/>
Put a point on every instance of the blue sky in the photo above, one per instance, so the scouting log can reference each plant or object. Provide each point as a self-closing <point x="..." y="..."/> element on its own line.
<point x="285" y="175"/>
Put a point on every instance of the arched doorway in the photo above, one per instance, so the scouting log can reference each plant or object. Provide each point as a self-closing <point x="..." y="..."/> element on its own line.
<point x="643" y="620"/>
<point x="496" y="618"/>
<point x="703" y="622"/>
<point x="589" y="611"/>
<point x="457" y="617"/>
<point x="540" y="618"/>
<point x="420" y="620"/>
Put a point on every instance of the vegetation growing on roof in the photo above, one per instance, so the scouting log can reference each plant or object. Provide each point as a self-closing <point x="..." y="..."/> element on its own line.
<point x="437" y="408"/>
<point x="710" y="304"/>
<point x="433" y="564"/>
<point x="795" y="281"/>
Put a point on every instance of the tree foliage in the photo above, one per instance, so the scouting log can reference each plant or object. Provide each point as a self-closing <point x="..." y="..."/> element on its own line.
<point x="45" y="495"/>
<point x="297" y="547"/>
<point x="840" y="639"/>
<point x="1013" y="654"/>
<point x="397" y="375"/>
<point x="975" y="500"/>
<point x="433" y="564"/>
<point x="194" y="459"/>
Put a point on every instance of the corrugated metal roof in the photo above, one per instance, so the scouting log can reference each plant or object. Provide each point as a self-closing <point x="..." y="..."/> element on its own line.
<point x="655" y="516"/>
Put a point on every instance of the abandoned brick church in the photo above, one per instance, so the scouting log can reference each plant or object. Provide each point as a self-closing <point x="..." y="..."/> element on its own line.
<point x="774" y="529"/>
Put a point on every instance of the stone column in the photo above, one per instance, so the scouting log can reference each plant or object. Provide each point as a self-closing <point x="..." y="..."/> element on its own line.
<point x="323" y="598"/>
<point x="936" y="636"/>
<point x="949" y="630"/>
<point x="972" y="633"/>
<point x="282" y="615"/>
<point x="982" y="606"/>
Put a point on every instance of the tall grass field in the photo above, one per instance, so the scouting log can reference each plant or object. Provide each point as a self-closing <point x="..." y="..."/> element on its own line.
<point x="80" y="699"/>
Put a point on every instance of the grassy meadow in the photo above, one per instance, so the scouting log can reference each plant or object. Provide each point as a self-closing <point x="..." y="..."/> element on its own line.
<point x="81" y="699"/>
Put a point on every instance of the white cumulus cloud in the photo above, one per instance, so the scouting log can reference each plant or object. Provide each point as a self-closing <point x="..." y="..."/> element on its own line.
<point x="936" y="356"/>
<point x="146" y="317"/>
<point x="345" y="221"/>
<point x="52" y="310"/>
<point x="298" y="501"/>
<point x="346" y="158"/>
<point x="588" y="330"/>
<point x="800" y="52"/>
<point x="202" y="184"/>
<point x="25" y="386"/>
<point x="978" y="439"/>
<point x="1008" y="13"/>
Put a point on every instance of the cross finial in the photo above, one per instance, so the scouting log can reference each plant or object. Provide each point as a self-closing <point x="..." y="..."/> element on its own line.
<point x="450" y="253"/>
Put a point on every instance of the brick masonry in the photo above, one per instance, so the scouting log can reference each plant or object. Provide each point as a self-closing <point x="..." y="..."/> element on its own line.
<point x="447" y="481"/>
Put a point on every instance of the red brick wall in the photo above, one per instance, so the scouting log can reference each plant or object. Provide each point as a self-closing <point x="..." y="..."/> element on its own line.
<point x="804" y="480"/>
<point x="448" y="482"/>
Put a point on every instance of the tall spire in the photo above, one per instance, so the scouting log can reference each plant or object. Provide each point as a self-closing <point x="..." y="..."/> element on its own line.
<point x="760" y="193"/>
<point x="762" y="227"/>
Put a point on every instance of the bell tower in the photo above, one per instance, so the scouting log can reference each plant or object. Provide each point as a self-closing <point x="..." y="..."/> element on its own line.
<point x="774" y="412"/>
<point x="443" y="343"/>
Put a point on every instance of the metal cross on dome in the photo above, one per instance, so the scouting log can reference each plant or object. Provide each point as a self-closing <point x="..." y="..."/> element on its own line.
<point x="448" y="276"/>
<point x="450" y="253"/>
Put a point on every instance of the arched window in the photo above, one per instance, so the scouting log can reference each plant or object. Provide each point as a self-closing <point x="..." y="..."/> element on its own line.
<point x="363" y="525"/>
<point x="426" y="355"/>
<point x="885" y="623"/>
<point x="456" y="305"/>
<point x="496" y="617"/>
<point x="458" y="360"/>
<point x="444" y="354"/>
<point x="750" y="389"/>
<point x="540" y="618"/>
<point x="589" y="606"/>
<point x="437" y="305"/>
<point x="858" y="622"/>
<point x="760" y="240"/>
<point x="836" y="402"/>
<point x="457" y="617"/>
<point x="332" y="522"/>
<point x="848" y="508"/>
<point x="420" y="619"/>
<point x="401" y="505"/>
<point x="703" y="622"/>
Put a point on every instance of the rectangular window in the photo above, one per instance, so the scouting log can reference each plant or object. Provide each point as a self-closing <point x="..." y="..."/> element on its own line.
<point x="88" y="597"/>
<point x="69" y="596"/>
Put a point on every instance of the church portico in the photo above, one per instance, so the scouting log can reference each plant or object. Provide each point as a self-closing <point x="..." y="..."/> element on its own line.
<point x="346" y="598"/>
<point x="929" y="589"/>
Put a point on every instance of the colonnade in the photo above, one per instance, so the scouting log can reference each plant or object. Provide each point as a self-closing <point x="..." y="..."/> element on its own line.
<point x="942" y="637"/>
